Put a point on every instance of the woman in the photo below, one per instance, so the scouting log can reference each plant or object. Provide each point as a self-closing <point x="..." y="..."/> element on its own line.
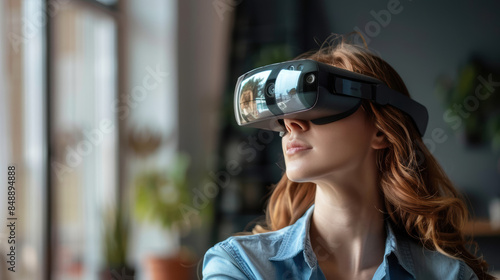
<point x="362" y="198"/>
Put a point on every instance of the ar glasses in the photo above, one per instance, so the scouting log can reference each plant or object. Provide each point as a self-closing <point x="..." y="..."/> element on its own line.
<point x="313" y="91"/>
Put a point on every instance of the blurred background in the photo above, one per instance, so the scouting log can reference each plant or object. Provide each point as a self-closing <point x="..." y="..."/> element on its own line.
<point x="117" y="123"/>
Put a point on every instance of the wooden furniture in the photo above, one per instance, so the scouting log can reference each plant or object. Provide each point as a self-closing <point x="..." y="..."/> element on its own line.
<point x="481" y="227"/>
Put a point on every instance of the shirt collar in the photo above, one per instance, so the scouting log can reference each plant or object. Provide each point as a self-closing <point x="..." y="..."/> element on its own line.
<point x="296" y="240"/>
<point x="400" y="247"/>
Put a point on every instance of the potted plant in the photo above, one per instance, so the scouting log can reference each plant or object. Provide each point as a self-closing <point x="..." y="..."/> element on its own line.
<point x="158" y="197"/>
<point x="115" y="241"/>
<point x="470" y="105"/>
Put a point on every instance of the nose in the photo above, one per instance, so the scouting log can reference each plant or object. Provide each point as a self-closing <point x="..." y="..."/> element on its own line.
<point x="294" y="125"/>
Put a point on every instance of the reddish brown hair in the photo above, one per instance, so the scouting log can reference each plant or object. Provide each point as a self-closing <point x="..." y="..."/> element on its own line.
<point x="419" y="197"/>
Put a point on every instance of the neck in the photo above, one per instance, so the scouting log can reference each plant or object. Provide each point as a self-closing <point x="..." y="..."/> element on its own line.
<point x="347" y="228"/>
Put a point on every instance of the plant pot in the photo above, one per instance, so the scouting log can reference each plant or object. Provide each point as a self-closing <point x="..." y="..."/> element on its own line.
<point x="165" y="268"/>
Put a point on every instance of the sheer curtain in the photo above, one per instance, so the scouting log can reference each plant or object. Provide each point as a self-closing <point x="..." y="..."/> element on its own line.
<point x="23" y="142"/>
<point x="85" y="135"/>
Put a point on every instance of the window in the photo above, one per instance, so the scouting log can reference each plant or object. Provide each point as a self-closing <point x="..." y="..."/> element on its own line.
<point x="84" y="137"/>
<point x="23" y="144"/>
<point x="61" y="105"/>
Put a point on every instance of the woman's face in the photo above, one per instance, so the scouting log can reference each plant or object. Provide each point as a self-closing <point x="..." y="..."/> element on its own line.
<point x="342" y="148"/>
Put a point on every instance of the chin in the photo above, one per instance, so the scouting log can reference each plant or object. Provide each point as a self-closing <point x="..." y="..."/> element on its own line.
<point x="297" y="177"/>
<point x="309" y="174"/>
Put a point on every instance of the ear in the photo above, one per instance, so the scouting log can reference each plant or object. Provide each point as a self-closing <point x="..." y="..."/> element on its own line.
<point x="379" y="140"/>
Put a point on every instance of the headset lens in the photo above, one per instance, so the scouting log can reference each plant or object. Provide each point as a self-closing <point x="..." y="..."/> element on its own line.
<point x="269" y="92"/>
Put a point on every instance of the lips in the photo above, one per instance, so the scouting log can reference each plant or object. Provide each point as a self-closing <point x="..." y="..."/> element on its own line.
<point x="295" y="146"/>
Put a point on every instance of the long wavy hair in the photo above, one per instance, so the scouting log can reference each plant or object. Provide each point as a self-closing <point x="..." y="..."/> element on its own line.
<point x="419" y="198"/>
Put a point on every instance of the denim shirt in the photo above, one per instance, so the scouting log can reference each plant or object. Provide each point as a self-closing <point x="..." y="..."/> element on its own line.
<point x="287" y="254"/>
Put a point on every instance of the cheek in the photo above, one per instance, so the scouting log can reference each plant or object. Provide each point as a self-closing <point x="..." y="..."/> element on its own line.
<point x="338" y="153"/>
<point x="349" y="147"/>
<point x="343" y="145"/>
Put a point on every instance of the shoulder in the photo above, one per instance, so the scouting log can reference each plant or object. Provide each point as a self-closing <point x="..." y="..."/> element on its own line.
<point x="254" y="247"/>
<point x="429" y="264"/>
<point x="242" y="257"/>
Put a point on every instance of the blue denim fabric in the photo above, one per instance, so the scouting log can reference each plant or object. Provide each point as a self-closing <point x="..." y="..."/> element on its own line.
<point x="287" y="254"/>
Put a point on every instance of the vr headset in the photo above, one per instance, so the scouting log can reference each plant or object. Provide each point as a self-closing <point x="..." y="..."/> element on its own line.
<point x="313" y="91"/>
